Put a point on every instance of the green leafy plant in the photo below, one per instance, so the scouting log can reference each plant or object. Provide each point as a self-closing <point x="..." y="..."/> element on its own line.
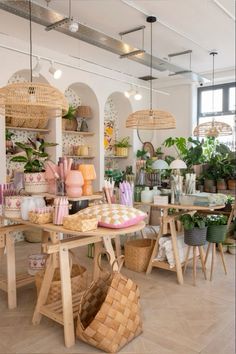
<point x="141" y="154"/>
<point x="8" y="135"/>
<point x="159" y="152"/>
<point x="189" y="222"/>
<point x="216" y="220"/>
<point x="123" y="143"/>
<point x="35" y="157"/>
<point x="229" y="200"/>
<point x="70" y="115"/>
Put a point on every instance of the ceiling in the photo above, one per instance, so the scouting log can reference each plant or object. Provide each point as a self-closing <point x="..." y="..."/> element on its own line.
<point x="198" y="25"/>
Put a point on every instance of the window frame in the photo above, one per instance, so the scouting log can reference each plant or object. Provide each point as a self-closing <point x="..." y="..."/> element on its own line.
<point x="225" y="97"/>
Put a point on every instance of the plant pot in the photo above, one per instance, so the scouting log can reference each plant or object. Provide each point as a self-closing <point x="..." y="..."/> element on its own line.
<point x="227" y="208"/>
<point x="195" y="237"/>
<point x="35" y="182"/>
<point x="121" y="151"/>
<point x="232" y="249"/>
<point x="216" y="233"/>
<point x="221" y="184"/>
<point x="232" y="184"/>
<point x="69" y="124"/>
<point x="209" y="184"/>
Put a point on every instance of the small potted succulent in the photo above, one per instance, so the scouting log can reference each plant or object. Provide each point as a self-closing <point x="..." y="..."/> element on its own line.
<point x="69" y="121"/>
<point x="34" y="172"/>
<point x="195" y="229"/>
<point x="122" y="147"/>
<point x="217" y="227"/>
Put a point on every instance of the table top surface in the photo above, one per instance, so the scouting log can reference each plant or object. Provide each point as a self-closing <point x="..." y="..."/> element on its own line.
<point x="100" y="231"/>
<point x="182" y="207"/>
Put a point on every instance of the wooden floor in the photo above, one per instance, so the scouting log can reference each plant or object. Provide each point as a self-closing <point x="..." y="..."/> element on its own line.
<point x="176" y="319"/>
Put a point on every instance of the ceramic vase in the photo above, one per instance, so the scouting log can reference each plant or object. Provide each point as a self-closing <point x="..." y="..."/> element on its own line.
<point x="74" y="183"/>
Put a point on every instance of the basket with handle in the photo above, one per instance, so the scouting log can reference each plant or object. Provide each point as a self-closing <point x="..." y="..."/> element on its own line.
<point x="138" y="253"/>
<point x="109" y="312"/>
<point x="78" y="280"/>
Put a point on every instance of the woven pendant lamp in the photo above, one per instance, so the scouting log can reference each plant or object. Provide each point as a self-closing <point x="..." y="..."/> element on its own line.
<point x="214" y="128"/>
<point x="151" y="119"/>
<point x="30" y="100"/>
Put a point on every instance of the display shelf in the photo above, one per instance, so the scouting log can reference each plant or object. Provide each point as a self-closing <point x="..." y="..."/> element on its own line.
<point x="116" y="157"/>
<point x="80" y="157"/>
<point x="78" y="199"/>
<point x="45" y="131"/>
<point x="74" y="132"/>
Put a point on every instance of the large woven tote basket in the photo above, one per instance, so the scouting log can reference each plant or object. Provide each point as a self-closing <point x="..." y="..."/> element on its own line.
<point x="109" y="313"/>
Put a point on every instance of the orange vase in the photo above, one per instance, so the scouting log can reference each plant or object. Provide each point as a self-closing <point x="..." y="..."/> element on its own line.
<point x="89" y="174"/>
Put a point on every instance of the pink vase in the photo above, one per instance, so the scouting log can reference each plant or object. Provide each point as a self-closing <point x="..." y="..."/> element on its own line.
<point x="74" y="182"/>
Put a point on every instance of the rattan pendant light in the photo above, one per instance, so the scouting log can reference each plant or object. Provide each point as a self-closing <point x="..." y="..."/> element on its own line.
<point x="30" y="100"/>
<point x="214" y="128"/>
<point x="151" y="119"/>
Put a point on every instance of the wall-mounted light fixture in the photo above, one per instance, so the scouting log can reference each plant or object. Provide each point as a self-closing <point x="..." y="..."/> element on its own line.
<point x="55" y="72"/>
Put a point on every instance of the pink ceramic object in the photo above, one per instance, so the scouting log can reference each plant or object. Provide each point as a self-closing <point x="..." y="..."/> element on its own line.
<point x="74" y="182"/>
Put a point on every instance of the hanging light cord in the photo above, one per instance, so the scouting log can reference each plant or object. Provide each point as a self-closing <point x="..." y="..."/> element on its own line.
<point x="151" y="74"/>
<point x="213" y="86"/>
<point x="31" y="58"/>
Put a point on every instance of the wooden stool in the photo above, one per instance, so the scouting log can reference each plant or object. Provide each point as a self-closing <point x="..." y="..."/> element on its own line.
<point x="201" y="252"/>
<point x="214" y="255"/>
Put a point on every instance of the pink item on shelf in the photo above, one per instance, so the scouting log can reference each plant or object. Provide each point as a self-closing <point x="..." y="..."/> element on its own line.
<point x="74" y="182"/>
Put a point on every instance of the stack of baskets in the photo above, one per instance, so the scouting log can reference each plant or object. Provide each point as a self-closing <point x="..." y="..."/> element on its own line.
<point x="27" y="123"/>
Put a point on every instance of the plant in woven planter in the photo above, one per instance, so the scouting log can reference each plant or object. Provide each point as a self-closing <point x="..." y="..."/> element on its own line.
<point x="122" y="146"/>
<point x="69" y="121"/>
<point x="34" y="172"/>
<point x="8" y="136"/>
<point x="217" y="227"/>
<point x="195" y="229"/>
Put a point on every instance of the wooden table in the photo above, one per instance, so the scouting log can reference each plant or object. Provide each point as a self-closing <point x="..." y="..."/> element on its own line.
<point x="65" y="310"/>
<point x="169" y="221"/>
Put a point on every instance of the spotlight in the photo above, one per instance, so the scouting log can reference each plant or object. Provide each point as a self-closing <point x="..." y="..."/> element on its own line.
<point x="138" y="96"/>
<point x="73" y="26"/>
<point x="36" y="70"/>
<point x="55" y="72"/>
<point x="129" y="93"/>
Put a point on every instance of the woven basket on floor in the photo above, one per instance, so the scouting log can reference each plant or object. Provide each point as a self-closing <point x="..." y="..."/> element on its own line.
<point x="109" y="313"/>
<point x="138" y="253"/>
<point x="78" y="282"/>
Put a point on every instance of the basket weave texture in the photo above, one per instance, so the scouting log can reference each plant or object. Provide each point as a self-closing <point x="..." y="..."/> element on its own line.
<point x="138" y="253"/>
<point x="109" y="313"/>
<point x="78" y="282"/>
<point x="216" y="233"/>
<point x="195" y="237"/>
<point x="81" y="223"/>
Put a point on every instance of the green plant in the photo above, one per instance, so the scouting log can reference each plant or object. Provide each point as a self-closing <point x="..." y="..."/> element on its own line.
<point x="8" y="135"/>
<point x="216" y="220"/>
<point x="35" y="157"/>
<point x="159" y="151"/>
<point x="229" y="200"/>
<point x="189" y="222"/>
<point x="141" y="154"/>
<point x="123" y="143"/>
<point x="70" y="115"/>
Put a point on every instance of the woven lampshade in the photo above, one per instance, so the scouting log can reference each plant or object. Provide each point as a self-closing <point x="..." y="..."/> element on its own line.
<point x="151" y="120"/>
<point x="213" y="129"/>
<point x="29" y="100"/>
<point x="84" y="112"/>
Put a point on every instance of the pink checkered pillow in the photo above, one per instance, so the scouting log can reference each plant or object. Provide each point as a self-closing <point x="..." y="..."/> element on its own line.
<point x="115" y="216"/>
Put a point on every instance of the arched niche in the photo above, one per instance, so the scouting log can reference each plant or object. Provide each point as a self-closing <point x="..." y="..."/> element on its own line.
<point x="80" y="94"/>
<point x="117" y="108"/>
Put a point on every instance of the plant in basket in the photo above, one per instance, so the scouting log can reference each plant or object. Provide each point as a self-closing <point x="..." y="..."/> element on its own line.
<point x="217" y="227"/>
<point x="69" y="121"/>
<point x="195" y="229"/>
<point x="122" y="147"/>
<point x="34" y="159"/>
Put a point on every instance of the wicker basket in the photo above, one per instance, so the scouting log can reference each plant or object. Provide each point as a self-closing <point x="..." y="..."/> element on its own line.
<point x="195" y="237"/>
<point x="109" y="313"/>
<point x="42" y="123"/>
<point x="31" y="123"/>
<point x="17" y="122"/>
<point x="78" y="281"/>
<point x="37" y="218"/>
<point x="216" y="233"/>
<point x="82" y="223"/>
<point x="138" y="253"/>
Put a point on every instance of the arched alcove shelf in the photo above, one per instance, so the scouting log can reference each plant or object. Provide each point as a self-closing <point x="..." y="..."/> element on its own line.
<point x="80" y="94"/>
<point x="117" y="109"/>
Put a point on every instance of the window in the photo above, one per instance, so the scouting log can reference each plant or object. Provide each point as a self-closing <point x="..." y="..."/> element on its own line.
<point x="220" y="106"/>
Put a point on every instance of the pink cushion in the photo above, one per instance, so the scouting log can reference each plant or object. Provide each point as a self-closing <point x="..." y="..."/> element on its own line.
<point x="115" y="216"/>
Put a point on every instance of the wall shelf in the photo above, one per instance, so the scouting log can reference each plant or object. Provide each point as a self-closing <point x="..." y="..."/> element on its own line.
<point x="80" y="157"/>
<point x="45" y="131"/>
<point x="74" y="132"/>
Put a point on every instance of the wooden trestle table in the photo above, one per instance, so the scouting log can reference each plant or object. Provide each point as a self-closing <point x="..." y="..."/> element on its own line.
<point x="57" y="248"/>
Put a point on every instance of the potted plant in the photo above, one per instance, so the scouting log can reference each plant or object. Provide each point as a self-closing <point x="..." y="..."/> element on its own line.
<point x="122" y="147"/>
<point x="8" y="136"/>
<point x="34" y="172"/>
<point x="228" y="204"/>
<point x="217" y="227"/>
<point x="159" y="153"/>
<point x="69" y="121"/>
<point x="195" y="229"/>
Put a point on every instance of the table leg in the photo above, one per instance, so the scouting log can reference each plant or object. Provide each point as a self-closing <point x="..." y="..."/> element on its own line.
<point x="194" y="264"/>
<point x="110" y="250"/>
<point x="207" y="252"/>
<point x="118" y="247"/>
<point x="165" y="224"/>
<point x="98" y="247"/>
<point x="66" y="293"/>
<point x="222" y="257"/>
<point x="186" y="259"/>
<point x="155" y="249"/>
<point x="11" y="271"/>
<point x="213" y="259"/>
<point x="201" y="252"/>
<point x="176" y="252"/>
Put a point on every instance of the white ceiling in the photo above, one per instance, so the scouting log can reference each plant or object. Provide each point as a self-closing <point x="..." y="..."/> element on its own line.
<point x="199" y="25"/>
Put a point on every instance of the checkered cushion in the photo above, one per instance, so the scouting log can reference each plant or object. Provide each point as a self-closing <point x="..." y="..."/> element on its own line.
<point x="115" y="216"/>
